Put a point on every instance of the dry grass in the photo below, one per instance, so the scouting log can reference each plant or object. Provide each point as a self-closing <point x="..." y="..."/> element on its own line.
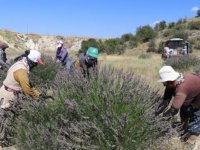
<point x="147" y="68"/>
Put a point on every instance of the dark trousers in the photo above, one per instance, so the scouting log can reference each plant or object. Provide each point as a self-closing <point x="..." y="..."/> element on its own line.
<point x="190" y="120"/>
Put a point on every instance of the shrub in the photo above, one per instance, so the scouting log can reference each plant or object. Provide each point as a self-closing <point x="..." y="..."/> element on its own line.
<point x="197" y="45"/>
<point x="151" y="46"/>
<point x="183" y="62"/>
<point x="167" y="33"/>
<point x="127" y="37"/>
<point x="180" y="27"/>
<point x="197" y="70"/>
<point x="160" y="47"/>
<point x="130" y="40"/>
<point x="179" y="34"/>
<point x="171" y="25"/>
<point x="46" y="72"/>
<point x="160" y="26"/>
<point x="88" y="43"/>
<point x="194" y="25"/>
<point x="114" y="46"/>
<point x="110" y="46"/>
<point x="134" y="41"/>
<point x="181" y="21"/>
<point x="113" y="110"/>
<point x="145" y="33"/>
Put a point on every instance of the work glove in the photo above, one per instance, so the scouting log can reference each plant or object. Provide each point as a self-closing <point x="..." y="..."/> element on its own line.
<point x="185" y="136"/>
<point x="190" y="110"/>
<point x="63" y="63"/>
<point x="36" y="92"/>
<point x="170" y="113"/>
<point x="42" y="97"/>
<point x="161" y="107"/>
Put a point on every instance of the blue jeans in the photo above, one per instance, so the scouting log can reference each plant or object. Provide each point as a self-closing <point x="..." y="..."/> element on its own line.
<point x="190" y="119"/>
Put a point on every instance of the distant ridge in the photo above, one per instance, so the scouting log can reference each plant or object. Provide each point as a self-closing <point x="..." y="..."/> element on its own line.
<point x="20" y="42"/>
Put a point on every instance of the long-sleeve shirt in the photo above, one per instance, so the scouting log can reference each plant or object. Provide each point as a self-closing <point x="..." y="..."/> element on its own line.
<point x="17" y="78"/>
<point x="21" y="76"/>
<point x="62" y="54"/>
<point x="185" y="93"/>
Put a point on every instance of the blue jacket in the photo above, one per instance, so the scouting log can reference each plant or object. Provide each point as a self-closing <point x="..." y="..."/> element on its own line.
<point x="62" y="54"/>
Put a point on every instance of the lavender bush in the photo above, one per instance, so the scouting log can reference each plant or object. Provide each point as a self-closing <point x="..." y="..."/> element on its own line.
<point x="110" y="110"/>
<point x="183" y="62"/>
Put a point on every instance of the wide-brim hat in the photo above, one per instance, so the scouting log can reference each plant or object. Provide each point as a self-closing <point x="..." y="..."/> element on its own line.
<point x="167" y="73"/>
<point x="3" y="45"/>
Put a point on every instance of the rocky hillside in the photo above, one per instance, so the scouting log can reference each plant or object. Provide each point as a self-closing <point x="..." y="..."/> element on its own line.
<point x="19" y="42"/>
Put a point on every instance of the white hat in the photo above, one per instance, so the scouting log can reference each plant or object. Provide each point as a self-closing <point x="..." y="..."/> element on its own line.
<point x="35" y="56"/>
<point x="59" y="44"/>
<point x="167" y="73"/>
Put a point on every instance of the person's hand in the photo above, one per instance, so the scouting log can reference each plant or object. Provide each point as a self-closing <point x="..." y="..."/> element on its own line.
<point x="57" y="61"/>
<point x="63" y="63"/>
<point x="42" y="97"/>
<point x="190" y="110"/>
<point x="161" y="107"/>
<point x="170" y="113"/>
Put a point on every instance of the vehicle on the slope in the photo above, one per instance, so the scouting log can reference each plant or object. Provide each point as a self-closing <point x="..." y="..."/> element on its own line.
<point x="174" y="47"/>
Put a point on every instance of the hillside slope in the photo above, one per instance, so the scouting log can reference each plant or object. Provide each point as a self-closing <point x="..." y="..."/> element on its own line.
<point x="19" y="42"/>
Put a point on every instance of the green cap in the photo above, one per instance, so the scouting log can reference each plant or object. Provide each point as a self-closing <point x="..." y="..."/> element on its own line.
<point x="92" y="51"/>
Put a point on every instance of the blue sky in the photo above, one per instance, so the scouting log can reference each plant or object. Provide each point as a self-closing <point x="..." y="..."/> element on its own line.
<point x="90" y="18"/>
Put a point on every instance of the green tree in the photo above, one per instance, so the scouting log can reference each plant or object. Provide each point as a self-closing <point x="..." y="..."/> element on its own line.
<point x="145" y="33"/>
<point x="171" y="25"/>
<point x="113" y="46"/>
<point x="127" y="37"/>
<point x="160" y="47"/>
<point x="133" y="42"/>
<point x="161" y="25"/>
<point x="90" y="42"/>
<point x="198" y="13"/>
<point x="180" y="34"/>
<point x="129" y="40"/>
<point x="181" y="21"/>
<point x="194" y="25"/>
